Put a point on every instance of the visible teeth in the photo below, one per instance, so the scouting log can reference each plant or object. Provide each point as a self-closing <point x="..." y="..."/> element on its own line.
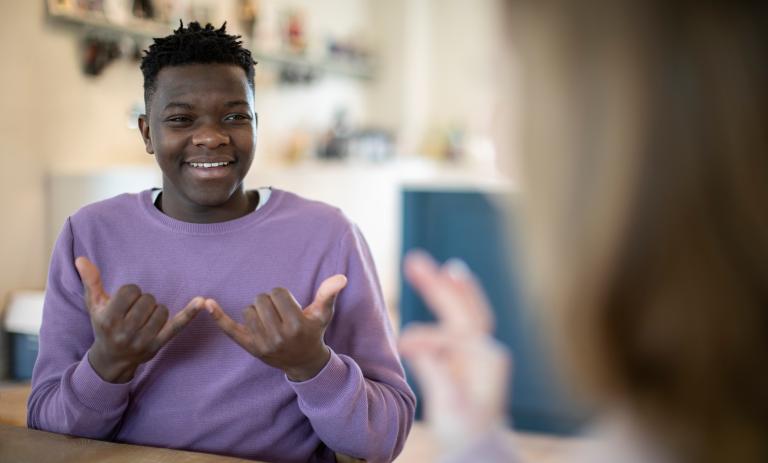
<point x="207" y="165"/>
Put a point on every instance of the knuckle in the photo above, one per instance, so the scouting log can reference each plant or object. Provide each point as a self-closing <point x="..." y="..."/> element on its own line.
<point x="137" y="345"/>
<point x="269" y="349"/>
<point x="162" y="311"/>
<point x="120" y="339"/>
<point x="279" y="291"/>
<point x="153" y="347"/>
<point x="147" y="299"/>
<point x="131" y="290"/>
<point x="292" y="329"/>
<point x="277" y="341"/>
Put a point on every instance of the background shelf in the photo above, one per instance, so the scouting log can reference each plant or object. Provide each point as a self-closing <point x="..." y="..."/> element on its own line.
<point x="143" y="30"/>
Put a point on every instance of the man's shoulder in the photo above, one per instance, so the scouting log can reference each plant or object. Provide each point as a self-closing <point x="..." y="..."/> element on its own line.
<point x="108" y="209"/>
<point x="310" y="211"/>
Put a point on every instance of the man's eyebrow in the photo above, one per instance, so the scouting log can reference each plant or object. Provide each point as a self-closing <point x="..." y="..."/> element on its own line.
<point x="175" y="104"/>
<point x="230" y="104"/>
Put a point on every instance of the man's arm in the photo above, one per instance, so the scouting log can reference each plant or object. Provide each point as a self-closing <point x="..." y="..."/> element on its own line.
<point x="67" y="395"/>
<point x="360" y="403"/>
<point x="86" y="394"/>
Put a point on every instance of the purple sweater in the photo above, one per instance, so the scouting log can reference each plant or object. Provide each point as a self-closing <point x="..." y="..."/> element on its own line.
<point x="202" y="391"/>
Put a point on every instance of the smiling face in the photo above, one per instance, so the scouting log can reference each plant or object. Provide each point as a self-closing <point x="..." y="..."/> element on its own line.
<point x="201" y="127"/>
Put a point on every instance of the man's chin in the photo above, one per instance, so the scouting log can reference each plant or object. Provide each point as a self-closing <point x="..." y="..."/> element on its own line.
<point x="212" y="197"/>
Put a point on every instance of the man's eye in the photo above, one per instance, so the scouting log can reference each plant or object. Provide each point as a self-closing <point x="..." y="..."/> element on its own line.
<point x="238" y="117"/>
<point x="177" y="119"/>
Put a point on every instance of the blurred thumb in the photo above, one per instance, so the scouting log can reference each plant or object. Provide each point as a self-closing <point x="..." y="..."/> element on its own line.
<point x="322" y="307"/>
<point x="95" y="295"/>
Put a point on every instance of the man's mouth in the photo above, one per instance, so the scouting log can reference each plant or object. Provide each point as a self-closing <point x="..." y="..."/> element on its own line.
<point x="204" y="170"/>
<point x="208" y="165"/>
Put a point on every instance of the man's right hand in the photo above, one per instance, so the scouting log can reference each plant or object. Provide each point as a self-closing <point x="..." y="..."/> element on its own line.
<point x="129" y="327"/>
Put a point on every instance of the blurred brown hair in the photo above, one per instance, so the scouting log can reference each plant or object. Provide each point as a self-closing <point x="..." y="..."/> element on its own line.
<point x="646" y="172"/>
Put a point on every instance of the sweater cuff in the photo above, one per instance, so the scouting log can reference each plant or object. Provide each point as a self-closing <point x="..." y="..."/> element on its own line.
<point x="329" y="386"/>
<point x="94" y="392"/>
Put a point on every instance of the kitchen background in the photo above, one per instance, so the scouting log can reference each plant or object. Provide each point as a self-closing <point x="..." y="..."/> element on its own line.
<point x="390" y="110"/>
<point x="356" y="91"/>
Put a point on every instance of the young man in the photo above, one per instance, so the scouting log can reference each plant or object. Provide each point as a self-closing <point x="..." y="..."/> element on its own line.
<point x="118" y="360"/>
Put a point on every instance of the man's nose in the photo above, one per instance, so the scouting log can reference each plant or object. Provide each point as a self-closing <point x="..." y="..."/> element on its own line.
<point x="210" y="137"/>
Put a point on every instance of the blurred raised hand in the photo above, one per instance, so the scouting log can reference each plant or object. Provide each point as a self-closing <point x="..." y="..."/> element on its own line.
<point x="462" y="370"/>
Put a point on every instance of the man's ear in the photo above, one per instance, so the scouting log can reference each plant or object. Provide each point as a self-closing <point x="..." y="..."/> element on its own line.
<point x="144" y="129"/>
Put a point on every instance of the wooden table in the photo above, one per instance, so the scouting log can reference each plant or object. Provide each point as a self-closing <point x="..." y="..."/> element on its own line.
<point x="18" y="444"/>
<point x="13" y="403"/>
<point x="22" y="445"/>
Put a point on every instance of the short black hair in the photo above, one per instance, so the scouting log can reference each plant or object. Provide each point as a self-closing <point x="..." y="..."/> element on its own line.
<point x="194" y="44"/>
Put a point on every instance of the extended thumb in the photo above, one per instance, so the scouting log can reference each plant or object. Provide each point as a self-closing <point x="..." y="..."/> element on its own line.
<point x="322" y="307"/>
<point x="89" y="273"/>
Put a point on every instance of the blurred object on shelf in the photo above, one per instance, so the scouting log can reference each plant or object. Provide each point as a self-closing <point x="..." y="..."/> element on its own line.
<point x="334" y="144"/>
<point x="64" y="4"/>
<point x="248" y="16"/>
<point x="143" y="9"/>
<point x="278" y="40"/>
<point x="459" y="146"/>
<point x="292" y="74"/>
<point x="294" y="31"/>
<point x="116" y="11"/>
<point x="91" y="5"/>
<point x="364" y="145"/>
<point x="454" y="147"/>
<point x="298" y="146"/>
<point x="353" y="49"/>
<point x="97" y="53"/>
<point x="444" y="144"/>
<point x="371" y="145"/>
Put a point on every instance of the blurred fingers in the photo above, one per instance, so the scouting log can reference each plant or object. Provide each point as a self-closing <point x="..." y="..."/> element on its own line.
<point x="471" y="292"/>
<point x="421" y="338"/>
<point x="451" y="293"/>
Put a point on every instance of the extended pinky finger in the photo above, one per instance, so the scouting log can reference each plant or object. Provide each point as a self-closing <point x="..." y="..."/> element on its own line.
<point x="180" y="320"/>
<point x="231" y="328"/>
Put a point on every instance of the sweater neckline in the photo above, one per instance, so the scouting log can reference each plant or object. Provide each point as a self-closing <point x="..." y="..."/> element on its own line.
<point x="145" y="198"/>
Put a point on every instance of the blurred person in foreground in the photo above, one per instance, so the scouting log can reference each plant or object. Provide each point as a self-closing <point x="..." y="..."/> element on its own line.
<point x="644" y="192"/>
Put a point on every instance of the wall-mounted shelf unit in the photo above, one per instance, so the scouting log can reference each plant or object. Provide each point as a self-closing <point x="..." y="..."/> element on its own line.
<point x="143" y="30"/>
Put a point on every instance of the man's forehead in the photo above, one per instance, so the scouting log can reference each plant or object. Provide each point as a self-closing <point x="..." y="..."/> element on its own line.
<point x="192" y="79"/>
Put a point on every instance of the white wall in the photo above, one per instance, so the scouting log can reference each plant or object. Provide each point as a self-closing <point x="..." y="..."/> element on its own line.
<point x="442" y="67"/>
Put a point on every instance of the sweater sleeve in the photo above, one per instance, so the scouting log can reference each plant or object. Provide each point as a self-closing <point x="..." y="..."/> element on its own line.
<point x="359" y="404"/>
<point x="67" y="395"/>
